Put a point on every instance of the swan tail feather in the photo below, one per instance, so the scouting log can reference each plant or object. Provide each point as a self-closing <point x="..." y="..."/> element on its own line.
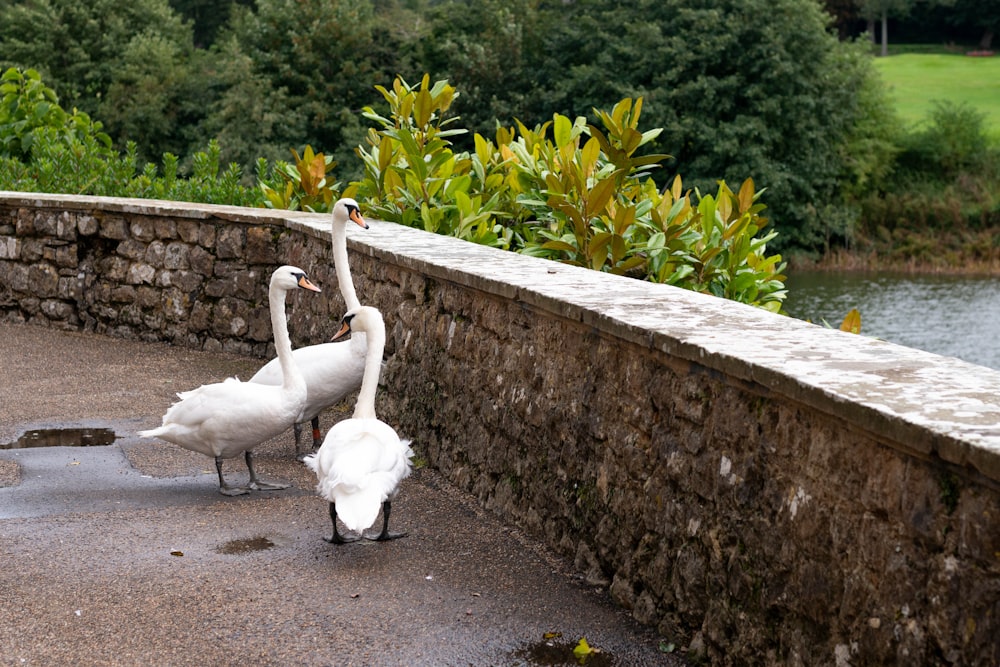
<point x="359" y="509"/>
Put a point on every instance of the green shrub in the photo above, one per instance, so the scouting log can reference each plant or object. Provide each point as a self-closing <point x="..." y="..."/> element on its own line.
<point x="45" y="149"/>
<point x="566" y="191"/>
<point x="954" y="140"/>
<point x="942" y="194"/>
<point x="412" y="176"/>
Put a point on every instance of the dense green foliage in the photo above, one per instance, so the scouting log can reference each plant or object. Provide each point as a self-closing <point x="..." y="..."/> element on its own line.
<point x="207" y="17"/>
<point x="322" y="59"/>
<point x="741" y="89"/>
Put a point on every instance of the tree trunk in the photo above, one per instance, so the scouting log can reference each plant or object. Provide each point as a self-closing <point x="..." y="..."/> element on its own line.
<point x="871" y="31"/>
<point x="987" y="40"/>
<point x="885" y="33"/>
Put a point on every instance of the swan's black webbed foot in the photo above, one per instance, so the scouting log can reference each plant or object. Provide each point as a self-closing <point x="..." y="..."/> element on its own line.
<point x="337" y="538"/>
<point x="224" y="488"/>
<point x="258" y="484"/>
<point x="261" y="485"/>
<point x="385" y="535"/>
<point x="341" y="539"/>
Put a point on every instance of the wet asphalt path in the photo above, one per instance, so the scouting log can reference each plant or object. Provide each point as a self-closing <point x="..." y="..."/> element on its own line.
<point x="126" y="554"/>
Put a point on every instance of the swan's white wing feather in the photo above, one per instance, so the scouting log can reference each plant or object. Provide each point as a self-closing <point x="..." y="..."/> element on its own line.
<point x="332" y="371"/>
<point x="226" y="418"/>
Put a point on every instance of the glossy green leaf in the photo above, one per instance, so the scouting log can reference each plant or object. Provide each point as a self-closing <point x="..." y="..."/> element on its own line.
<point x="599" y="197"/>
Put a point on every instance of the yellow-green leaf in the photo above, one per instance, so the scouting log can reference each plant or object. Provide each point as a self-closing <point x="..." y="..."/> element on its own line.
<point x="745" y="197"/>
<point x="624" y="218"/>
<point x="583" y="651"/>
<point x="631" y="140"/>
<point x="385" y="152"/>
<point x="725" y="208"/>
<point x="423" y="108"/>
<point x="558" y="245"/>
<point x="589" y="155"/>
<point x="676" y="188"/>
<point x="562" y="130"/>
<point x="618" y="113"/>
<point x="406" y="106"/>
<point x="599" y="196"/>
<point x="852" y="323"/>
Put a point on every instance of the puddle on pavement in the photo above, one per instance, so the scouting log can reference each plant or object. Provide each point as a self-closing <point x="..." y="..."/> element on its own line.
<point x="245" y="546"/>
<point x="551" y="652"/>
<point x="63" y="437"/>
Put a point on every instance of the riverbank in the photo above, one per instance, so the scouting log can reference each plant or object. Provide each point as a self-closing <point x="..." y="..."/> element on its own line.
<point x="933" y="252"/>
<point x="851" y="262"/>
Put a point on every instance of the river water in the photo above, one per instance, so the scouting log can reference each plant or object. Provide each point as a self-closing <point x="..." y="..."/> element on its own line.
<point x="956" y="316"/>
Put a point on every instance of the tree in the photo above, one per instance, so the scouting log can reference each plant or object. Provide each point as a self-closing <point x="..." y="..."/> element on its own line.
<point x="982" y="15"/>
<point x="78" y="46"/>
<point x="207" y="17"/>
<point x="251" y="117"/>
<point x="879" y="10"/>
<point x="322" y="58"/>
<point x="156" y="97"/>
<point x="846" y="14"/>
<point x="484" y="52"/>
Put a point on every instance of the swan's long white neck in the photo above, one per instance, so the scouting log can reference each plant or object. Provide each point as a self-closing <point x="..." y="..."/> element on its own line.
<point x="365" y="407"/>
<point x="291" y="377"/>
<point x="340" y="264"/>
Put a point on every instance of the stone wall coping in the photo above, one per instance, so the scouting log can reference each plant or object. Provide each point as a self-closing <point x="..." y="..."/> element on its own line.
<point x="925" y="404"/>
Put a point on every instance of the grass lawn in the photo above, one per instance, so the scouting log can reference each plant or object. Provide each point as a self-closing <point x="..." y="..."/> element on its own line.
<point x="916" y="80"/>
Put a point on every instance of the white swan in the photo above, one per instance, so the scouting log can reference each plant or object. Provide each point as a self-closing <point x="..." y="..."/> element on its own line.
<point x="331" y="370"/>
<point x="362" y="461"/>
<point x="229" y="418"/>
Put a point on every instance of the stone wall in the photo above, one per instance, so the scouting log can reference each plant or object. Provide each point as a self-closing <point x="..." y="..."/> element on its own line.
<point x="759" y="489"/>
<point x="169" y="273"/>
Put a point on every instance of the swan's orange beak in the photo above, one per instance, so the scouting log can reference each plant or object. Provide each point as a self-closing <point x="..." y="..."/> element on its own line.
<point x="345" y="329"/>
<point x="305" y="283"/>
<point x="355" y="215"/>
